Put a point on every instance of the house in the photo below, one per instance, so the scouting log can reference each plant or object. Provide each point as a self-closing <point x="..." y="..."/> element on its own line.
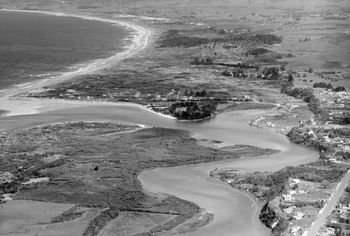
<point x="311" y="132"/>
<point x="329" y="231"/>
<point x="326" y="139"/>
<point x="298" y="216"/>
<point x="289" y="209"/>
<point x="333" y="160"/>
<point x="294" y="183"/>
<point x="287" y="197"/>
<point x="291" y="192"/>
<point x="344" y="217"/>
<point x="274" y="224"/>
<point x="295" y="230"/>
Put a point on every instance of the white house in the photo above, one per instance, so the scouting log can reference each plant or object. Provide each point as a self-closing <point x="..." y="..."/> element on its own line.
<point x="289" y="209"/>
<point x="287" y="197"/>
<point x="298" y="215"/>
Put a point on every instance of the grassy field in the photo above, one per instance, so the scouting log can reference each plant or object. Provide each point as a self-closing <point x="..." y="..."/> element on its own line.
<point x="25" y="217"/>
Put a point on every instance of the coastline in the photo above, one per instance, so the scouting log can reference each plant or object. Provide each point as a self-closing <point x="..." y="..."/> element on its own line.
<point x="13" y="105"/>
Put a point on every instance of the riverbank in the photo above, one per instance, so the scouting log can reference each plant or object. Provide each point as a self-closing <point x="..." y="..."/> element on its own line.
<point x="299" y="199"/>
<point x="97" y="161"/>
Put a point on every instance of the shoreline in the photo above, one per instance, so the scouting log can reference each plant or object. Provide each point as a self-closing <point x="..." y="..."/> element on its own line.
<point x="30" y="106"/>
<point x="9" y="98"/>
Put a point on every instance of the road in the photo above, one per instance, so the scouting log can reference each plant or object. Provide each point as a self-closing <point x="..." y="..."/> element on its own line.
<point x="329" y="206"/>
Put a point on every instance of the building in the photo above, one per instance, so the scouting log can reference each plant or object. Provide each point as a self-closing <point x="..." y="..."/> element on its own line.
<point x="295" y="230"/>
<point x="294" y="183"/>
<point x="298" y="216"/>
<point x="289" y="210"/>
<point x="287" y="197"/>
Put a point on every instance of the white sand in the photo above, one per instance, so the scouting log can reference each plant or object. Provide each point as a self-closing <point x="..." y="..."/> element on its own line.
<point x="16" y="105"/>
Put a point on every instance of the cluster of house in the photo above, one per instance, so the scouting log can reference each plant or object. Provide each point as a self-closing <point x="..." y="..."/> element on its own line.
<point x="338" y="144"/>
<point x="289" y="199"/>
<point x="335" y="99"/>
<point x="296" y="230"/>
<point x="343" y="212"/>
<point x="341" y="217"/>
<point x="337" y="105"/>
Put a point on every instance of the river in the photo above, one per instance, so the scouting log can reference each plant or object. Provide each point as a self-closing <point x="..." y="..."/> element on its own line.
<point x="235" y="212"/>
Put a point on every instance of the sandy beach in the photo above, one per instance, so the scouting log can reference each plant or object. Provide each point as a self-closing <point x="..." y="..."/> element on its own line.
<point x="17" y="105"/>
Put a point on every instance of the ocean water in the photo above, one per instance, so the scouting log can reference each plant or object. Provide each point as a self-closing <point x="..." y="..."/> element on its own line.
<point x="34" y="45"/>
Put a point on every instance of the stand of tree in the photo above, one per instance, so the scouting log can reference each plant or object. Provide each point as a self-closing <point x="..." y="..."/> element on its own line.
<point x="272" y="220"/>
<point x="306" y="94"/>
<point x="193" y="110"/>
<point x="271" y="73"/>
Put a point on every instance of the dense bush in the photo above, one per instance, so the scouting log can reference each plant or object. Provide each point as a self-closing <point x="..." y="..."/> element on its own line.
<point x="342" y="119"/>
<point x="271" y="73"/>
<point x="257" y="51"/>
<point x="192" y="110"/>
<point x="340" y="89"/>
<point x="226" y="73"/>
<point x="314" y="105"/>
<point x="300" y="93"/>
<point x="323" y="85"/>
<point x="269" y="39"/>
<point x="268" y="216"/>
<point x="305" y="94"/>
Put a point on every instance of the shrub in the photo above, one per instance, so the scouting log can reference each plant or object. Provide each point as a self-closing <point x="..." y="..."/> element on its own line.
<point x="257" y="51"/>
<point x="226" y="73"/>
<point x="269" y="39"/>
<point x="340" y="89"/>
<point x="192" y="110"/>
<point x="323" y="85"/>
